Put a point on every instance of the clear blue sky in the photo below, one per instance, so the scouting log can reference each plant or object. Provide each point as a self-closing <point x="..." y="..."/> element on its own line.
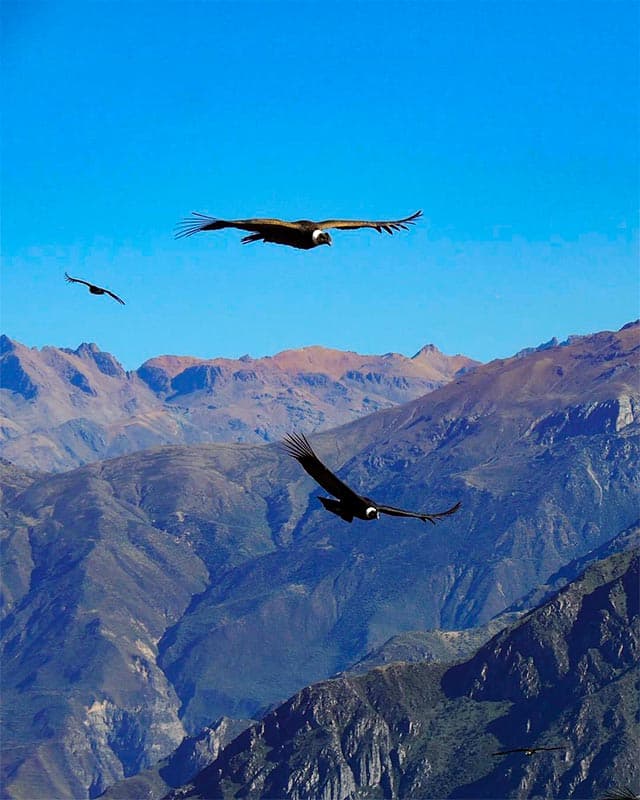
<point x="513" y="125"/>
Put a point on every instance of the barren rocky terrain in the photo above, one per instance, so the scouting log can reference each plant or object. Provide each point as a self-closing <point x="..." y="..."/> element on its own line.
<point x="146" y="596"/>
<point x="62" y="408"/>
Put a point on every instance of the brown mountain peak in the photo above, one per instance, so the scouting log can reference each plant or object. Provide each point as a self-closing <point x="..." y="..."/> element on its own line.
<point x="427" y="350"/>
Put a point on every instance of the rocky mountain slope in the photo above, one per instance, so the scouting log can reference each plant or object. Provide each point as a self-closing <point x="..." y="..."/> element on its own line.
<point x="193" y="755"/>
<point x="145" y="596"/>
<point x="542" y="452"/>
<point x="565" y="675"/>
<point x="63" y="408"/>
<point x="13" y="480"/>
<point x="434" y="645"/>
<point x="196" y="753"/>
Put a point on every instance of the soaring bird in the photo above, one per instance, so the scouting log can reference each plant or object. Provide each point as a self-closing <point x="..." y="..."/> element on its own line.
<point x="93" y="288"/>
<point x="620" y="794"/>
<point x="303" y="233"/>
<point x="528" y="751"/>
<point x="349" y="504"/>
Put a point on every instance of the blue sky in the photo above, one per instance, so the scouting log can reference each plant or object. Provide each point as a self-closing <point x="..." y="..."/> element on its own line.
<point x="513" y="126"/>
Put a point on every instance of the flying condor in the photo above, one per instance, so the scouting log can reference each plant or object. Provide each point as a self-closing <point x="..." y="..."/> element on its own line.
<point x="620" y="794"/>
<point x="528" y="751"/>
<point x="302" y="234"/>
<point x="93" y="288"/>
<point x="349" y="504"/>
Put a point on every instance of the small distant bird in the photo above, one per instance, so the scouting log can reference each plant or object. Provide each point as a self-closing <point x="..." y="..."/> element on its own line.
<point x="349" y="504"/>
<point x="528" y="751"/>
<point x="302" y="234"/>
<point x="94" y="289"/>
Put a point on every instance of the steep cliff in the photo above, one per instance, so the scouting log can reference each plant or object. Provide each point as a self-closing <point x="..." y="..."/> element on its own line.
<point x="566" y="675"/>
<point x="145" y="596"/>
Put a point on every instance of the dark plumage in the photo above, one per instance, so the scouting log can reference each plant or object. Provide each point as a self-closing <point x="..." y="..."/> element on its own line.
<point x="620" y="794"/>
<point x="528" y="751"/>
<point x="302" y="234"/>
<point x="93" y="288"/>
<point x="349" y="504"/>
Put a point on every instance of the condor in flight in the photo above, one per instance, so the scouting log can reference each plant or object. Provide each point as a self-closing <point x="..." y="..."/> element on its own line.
<point x="94" y="289"/>
<point x="349" y="504"/>
<point x="302" y="234"/>
<point x="621" y="794"/>
<point x="528" y="751"/>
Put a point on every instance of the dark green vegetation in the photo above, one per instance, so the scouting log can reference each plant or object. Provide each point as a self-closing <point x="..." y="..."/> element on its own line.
<point x="146" y="596"/>
<point x="433" y="645"/>
<point x="566" y="675"/>
<point x="195" y="753"/>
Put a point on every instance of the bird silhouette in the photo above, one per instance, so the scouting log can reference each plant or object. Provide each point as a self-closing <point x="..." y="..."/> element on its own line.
<point x="93" y="288"/>
<point x="625" y="793"/>
<point x="302" y="234"/>
<point x="349" y="504"/>
<point x="528" y="751"/>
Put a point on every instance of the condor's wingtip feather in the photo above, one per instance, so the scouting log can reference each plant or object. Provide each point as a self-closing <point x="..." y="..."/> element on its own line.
<point x="620" y="794"/>
<point x="451" y="510"/>
<point x="197" y="222"/>
<point x="399" y="224"/>
<point x="115" y="297"/>
<point x="297" y="446"/>
<point x="402" y="223"/>
<point x="433" y="518"/>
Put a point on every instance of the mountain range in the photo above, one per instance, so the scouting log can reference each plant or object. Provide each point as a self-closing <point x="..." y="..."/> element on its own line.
<point x="63" y="408"/>
<point x="564" y="676"/>
<point x="147" y="595"/>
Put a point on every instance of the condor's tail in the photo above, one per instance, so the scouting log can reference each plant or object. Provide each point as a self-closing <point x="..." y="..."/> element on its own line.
<point x="336" y="507"/>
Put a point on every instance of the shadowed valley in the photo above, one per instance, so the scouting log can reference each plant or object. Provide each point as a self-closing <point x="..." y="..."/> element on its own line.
<point x="146" y="596"/>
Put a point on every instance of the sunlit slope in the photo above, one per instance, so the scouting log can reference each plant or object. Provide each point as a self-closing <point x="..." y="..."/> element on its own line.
<point x="64" y="408"/>
<point x="146" y="596"/>
<point x="542" y="452"/>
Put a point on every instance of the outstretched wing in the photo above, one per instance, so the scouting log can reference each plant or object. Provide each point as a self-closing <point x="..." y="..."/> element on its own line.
<point x="528" y="750"/>
<point x="76" y="280"/>
<point x="549" y="748"/>
<point x="425" y="517"/>
<point x="201" y="222"/>
<point x="389" y="226"/>
<point x="115" y="296"/>
<point x="620" y="794"/>
<point x="297" y="446"/>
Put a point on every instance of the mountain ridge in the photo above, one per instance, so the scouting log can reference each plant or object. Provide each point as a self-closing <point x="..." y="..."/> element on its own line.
<point x="425" y="730"/>
<point x="159" y="580"/>
<point x="63" y="408"/>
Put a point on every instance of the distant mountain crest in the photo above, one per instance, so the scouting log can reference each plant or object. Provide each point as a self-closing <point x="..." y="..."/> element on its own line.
<point x="66" y="407"/>
<point x="156" y="584"/>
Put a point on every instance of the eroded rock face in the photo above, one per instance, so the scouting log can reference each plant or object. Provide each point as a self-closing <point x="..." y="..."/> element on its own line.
<point x="193" y="755"/>
<point x="588" y="419"/>
<point x="80" y="631"/>
<point x="160" y="580"/>
<point x="569" y="670"/>
<point x="15" y="378"/>
<point x="530" y="505"/>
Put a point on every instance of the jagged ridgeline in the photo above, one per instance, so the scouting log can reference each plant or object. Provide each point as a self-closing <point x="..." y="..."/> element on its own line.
<point x="64" y="408"/>
<point x="147" y="596"/>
